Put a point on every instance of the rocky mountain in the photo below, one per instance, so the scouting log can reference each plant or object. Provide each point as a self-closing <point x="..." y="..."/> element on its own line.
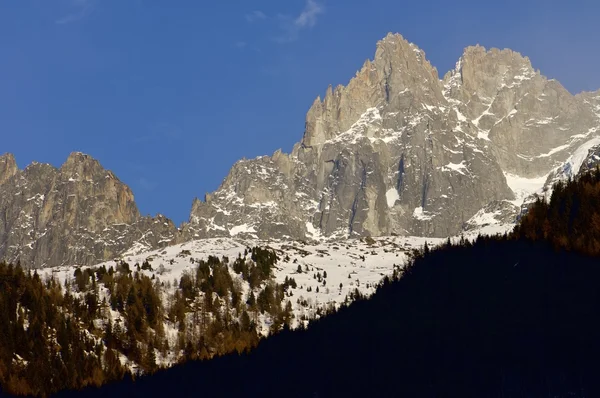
<point x="581" y="160"/>
<point x="79" y="213"/>
<point x="399" y="150"/>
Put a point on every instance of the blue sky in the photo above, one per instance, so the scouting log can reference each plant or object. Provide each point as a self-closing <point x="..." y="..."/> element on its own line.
<point x="169" y="94"/>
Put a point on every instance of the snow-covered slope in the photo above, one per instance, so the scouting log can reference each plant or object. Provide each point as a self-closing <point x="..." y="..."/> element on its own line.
<point x="584" y="158"/>
<point x="354" y="264"/>
<point x="326" y="274"/>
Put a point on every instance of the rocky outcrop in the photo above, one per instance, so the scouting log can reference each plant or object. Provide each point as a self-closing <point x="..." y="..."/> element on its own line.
<point x="79" y="213"/>
<point x="399" y="150"/>
<point x="8" y="167"/>
<point x="529" y="121"/>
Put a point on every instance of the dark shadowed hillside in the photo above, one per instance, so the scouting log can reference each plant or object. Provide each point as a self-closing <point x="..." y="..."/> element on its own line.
<point x="501" y="317"/>
<point x="498" y="318"/>
<point x="571" y="220"/>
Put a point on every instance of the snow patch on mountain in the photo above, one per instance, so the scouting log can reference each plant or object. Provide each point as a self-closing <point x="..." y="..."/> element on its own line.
<point x="312" y="231"/>
<point x="523" y="187"/>
<point x="239" y="229"/>
<point x="554" y="150"/>
<point x="363" y="127"/>
<point x="573" y="164"/>
<point x="484" y="217"/>
<point x="349" y="265"/>
<point x="392" y="196"/>
<point x="457" y="167"/>
<point x="571" y="168"/>
<point x="420" y="214"/>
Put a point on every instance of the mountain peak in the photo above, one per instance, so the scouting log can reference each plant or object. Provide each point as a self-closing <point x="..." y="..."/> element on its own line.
<point x="495" y="61"/>
<point x="83" y="214"/>
<point x="506" y="55"/>
<point x="391" y="39"/>
<point x="398" y="67"/>
<point x="397" y="46"/>
<point x="395" y="149"/>
<point x="83" y="166"/>
<point x="8" y="167"/>
<point x="79" y="157"/>
<point x="7" y="157"/>
<point x="484" y="72"/>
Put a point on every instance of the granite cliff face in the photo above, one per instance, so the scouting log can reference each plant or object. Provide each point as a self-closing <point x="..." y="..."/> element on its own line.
<point x="77" y="214"/>
<point x="399" y="150"/>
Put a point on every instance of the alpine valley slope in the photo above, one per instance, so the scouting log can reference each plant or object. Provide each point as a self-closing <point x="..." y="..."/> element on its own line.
<point x="325" y="274"/>
<point x="399" y="150"/>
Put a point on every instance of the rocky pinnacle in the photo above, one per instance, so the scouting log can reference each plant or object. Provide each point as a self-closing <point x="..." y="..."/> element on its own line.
<point x="399" y="150"/>
<point x="79" y="213"/>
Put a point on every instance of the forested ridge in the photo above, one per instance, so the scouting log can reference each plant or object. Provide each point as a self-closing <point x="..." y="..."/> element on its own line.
<point x="57" y="336"/>
<point x="514" y="315"/>
<point x="570" y="220"/>
<point x="506" y="316"/>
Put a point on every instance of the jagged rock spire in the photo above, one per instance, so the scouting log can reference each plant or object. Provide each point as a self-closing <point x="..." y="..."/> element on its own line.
<point x="77" y="214"/>
<point x="8" y="167"/>
<point x="397" y="150"/>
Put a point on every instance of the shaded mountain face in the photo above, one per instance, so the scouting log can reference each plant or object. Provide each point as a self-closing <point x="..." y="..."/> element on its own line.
<point x="399" y="150"/>
<point x="77" y="214"/>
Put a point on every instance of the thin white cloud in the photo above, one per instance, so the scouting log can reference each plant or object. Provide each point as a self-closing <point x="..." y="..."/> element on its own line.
<point x="255" y="16"/>
<point x="307" y="19"/>
<point x="81" y="9"/>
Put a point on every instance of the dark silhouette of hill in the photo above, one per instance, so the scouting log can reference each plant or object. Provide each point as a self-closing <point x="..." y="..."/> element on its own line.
<point x="571" y="220"/>
<point x="501" y="317"/>
<point x="512" y="316"/>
